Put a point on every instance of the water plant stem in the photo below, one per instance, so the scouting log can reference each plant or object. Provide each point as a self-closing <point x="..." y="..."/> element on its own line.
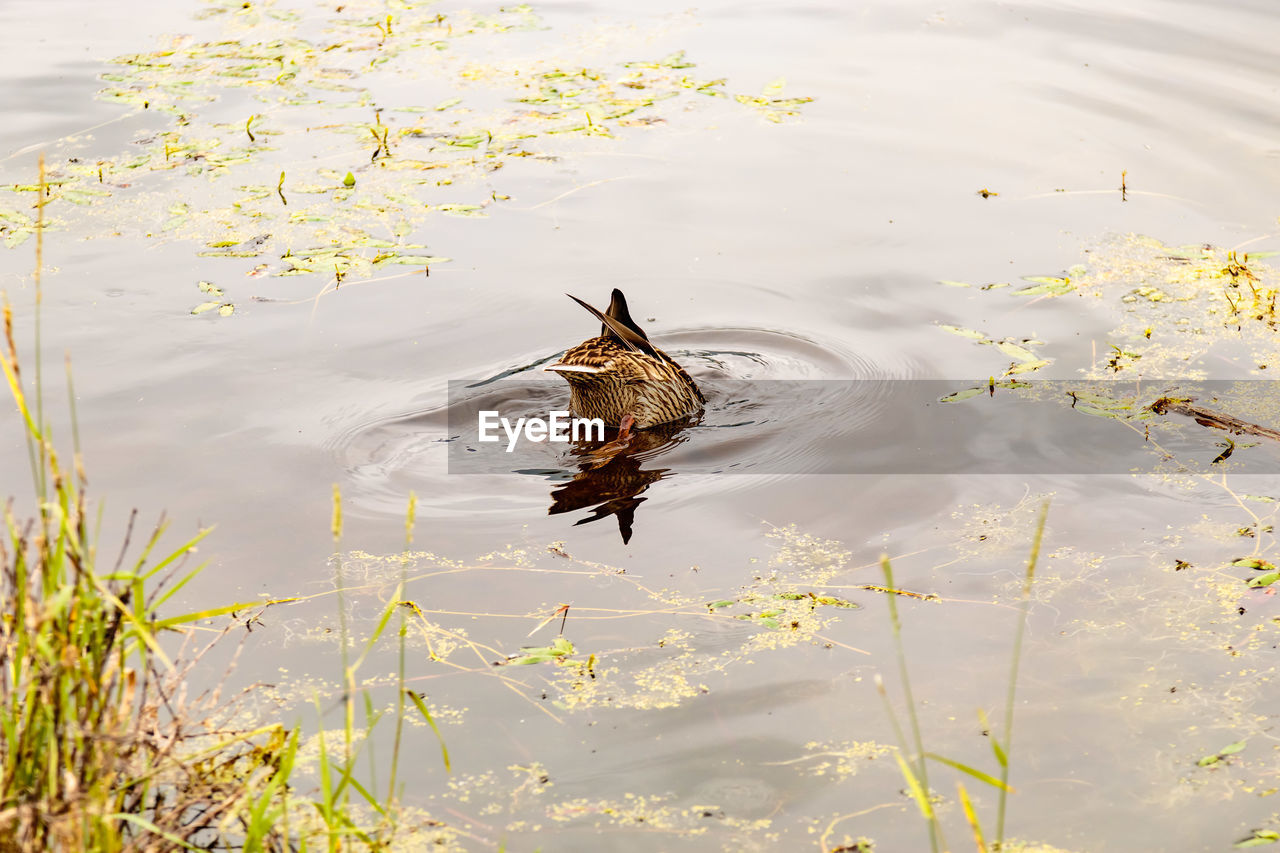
<point x="392" y="794"/>
<point x="1006" y="744"/>
<point x="921" y="771"/>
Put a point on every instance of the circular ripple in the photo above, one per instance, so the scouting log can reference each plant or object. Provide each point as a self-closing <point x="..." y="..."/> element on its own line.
<point x="778" y="403"/>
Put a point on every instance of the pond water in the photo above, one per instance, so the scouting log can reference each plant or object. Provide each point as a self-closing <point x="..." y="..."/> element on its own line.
<point x="240" y="216"/>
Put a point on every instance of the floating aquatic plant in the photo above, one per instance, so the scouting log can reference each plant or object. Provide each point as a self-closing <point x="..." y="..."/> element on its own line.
<point x="279" y="145"/>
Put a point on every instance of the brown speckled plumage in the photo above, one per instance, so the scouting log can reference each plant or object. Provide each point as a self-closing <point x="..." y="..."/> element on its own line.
<point x="621" y="373"/>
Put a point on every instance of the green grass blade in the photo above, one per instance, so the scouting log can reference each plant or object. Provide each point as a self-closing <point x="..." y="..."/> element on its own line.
<point x="1006" y="742"/>
<point x="979" y="843"/>
<point x="156" y="603"/>
<point x="913" y="787"/>
<point x="422" y="709"/>
<point x="181" y="551"/>
<point x="1001" y="758"/>
<point x="186" y="618"/>
<point x="377" y="631"/>
<point x="935" y="830"/>
<point x="368" y="798"/>
<point x="137" y="628"/>
<point x="153" y="829"/>
<point x="972" y="771"/>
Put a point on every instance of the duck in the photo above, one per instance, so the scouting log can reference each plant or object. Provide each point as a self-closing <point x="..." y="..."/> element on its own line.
<point x="622" y="378"/>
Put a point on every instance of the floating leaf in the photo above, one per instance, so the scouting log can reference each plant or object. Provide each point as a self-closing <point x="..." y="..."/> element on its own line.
<point x="230" y="253"/>
<point x="1264" y="580"/>
<point x="17" y="237"/>
<point x="460" y="209"/>
<point x="226" y="310"/>
<point x="831" y="601"/>
<point x="1046" y="285"/>
<point x="83" y="196"/>
<point x="949" y="283"/>
<point x="1232" y="748"/>
<point x="1013" y="350"/>
<point x="963" y="332"/>
<point x="560" y="648"/>
<point x="472" y="140"/>
<point x="1259" y="838"/>
<point x="205" y="306"/>
<point x="1152" y="294"/>
<point x="179" y="215"/>
<point x="1253" y="563"/>
<point x="675" y="60"/>
<point x="296" y="68"/>
<point x="410" y="260"/>
<point x="962" y="395"/>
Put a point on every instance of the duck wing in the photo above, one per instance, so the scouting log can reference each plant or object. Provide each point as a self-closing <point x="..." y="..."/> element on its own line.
<point x="617" y="324"/>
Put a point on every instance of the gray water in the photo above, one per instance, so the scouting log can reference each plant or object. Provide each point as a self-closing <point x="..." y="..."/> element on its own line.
<point x="807" y="250"/>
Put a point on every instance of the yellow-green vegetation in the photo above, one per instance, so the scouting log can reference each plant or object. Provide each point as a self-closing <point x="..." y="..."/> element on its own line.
<point x="627" y="646"/>
<point x="1025" y="360"/>
<point x="788" y="602"/>
<point x="1179" y="309"/>
<point x="1202" y="589"/>
<point x="913" y="758"/>
<point x="102" y="747"/>
<point x="158" y="761"/>
<point x="1021" y="350"/>
<point x="1174" y="303"/>
<point x="1177" y="303"/>
<point x="106" y="744"/>
<point x="283" y="142"/>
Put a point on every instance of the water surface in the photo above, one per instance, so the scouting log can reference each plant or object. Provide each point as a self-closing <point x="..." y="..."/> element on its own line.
<point x="804" y="250"/>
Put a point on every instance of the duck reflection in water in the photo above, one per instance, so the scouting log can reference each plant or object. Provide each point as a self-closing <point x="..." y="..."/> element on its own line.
<point x="610" y="480"/>
<point x="621" y="378"/>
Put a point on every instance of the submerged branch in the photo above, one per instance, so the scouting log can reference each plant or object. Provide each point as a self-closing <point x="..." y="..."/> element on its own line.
<point x="1209" y="418"/>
